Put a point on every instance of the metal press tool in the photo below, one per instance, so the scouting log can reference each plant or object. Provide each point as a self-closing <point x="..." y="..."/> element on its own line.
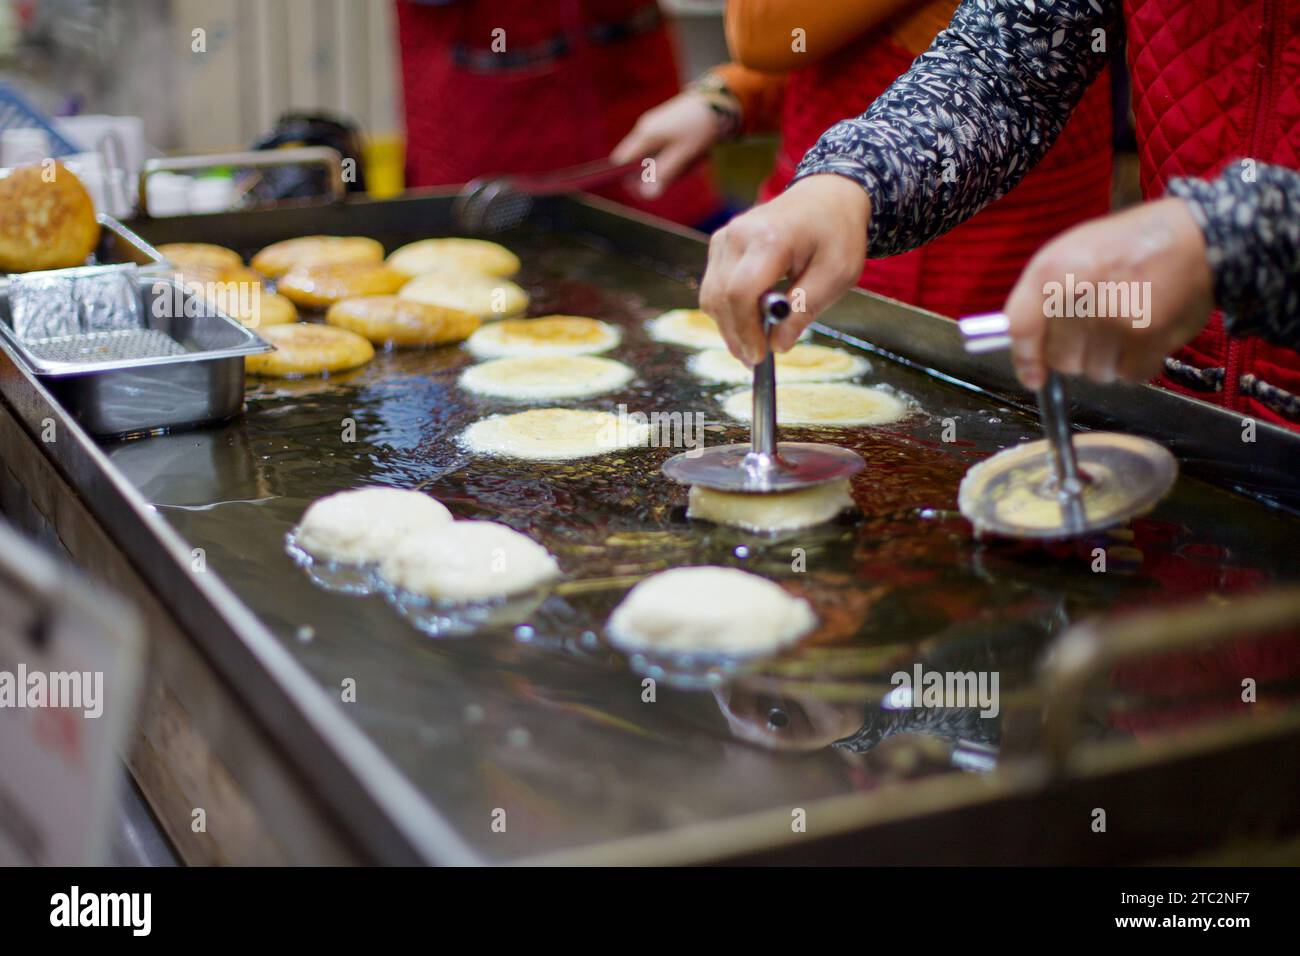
<point x="764" y="466"/>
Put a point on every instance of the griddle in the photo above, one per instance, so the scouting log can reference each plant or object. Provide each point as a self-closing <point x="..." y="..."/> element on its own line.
<point x="545" y="722"/>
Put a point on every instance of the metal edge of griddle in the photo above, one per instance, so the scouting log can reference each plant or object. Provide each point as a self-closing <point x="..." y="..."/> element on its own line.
<point x="374" y="801"/>
<point x="891" y="824"/>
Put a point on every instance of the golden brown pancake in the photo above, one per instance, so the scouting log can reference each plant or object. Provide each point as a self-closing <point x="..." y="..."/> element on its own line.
<point x="305" y="348"/>
<point x="391" y="320"/>
<point x="488" y="297"/>
<point x="47" y="219"/>
<point x="279" y="257"/>
<point x="240" y="293"/>
<point x="456" y="255"/>
<point x="317" y="287"/>
<point x="201" y="254"/>
<point x="546" y="335"/>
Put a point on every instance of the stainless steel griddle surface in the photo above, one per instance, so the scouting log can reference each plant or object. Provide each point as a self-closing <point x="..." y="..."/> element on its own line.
<point x="545" y="721"/>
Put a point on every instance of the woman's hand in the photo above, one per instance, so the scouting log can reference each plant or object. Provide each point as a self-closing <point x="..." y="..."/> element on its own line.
<point x="814" y="234"/>
<point x="1112" y="297"/>
<point x="676" y="134"/>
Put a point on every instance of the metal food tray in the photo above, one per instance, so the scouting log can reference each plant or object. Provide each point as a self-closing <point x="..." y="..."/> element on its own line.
<point x="118" y="246"/>
<point x="545" y="722"/>
<point x="183" y="369"/>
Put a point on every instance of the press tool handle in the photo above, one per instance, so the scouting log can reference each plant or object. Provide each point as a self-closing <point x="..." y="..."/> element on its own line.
<point x="991" y="332"/>
<point x="774" y="308"/>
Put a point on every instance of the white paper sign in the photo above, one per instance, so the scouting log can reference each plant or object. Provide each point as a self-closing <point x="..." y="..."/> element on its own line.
<point x="70" y="657"/>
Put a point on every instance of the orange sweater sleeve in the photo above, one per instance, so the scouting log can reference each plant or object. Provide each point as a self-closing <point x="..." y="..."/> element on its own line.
<point x="760" y="94"/>
<point x="761" y="34"/>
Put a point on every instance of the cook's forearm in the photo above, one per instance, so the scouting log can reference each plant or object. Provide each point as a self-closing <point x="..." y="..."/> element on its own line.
<point x="1250" y="216"/>
<point x="973" y="114"/>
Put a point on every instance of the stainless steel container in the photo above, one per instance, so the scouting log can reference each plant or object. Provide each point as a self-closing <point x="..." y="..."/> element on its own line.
<point x="184" y="368"/>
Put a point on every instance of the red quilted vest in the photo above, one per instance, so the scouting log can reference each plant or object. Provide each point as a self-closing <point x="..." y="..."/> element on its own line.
<point x="572" y="79"/>
<point x="973" y="267"/>
<point x="1215" y="82"/>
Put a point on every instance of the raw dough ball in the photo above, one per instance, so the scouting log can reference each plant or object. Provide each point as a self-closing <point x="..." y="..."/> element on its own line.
<point x="454" y="255"/>
<point x="45" y="223"/>
<point x="469" y="561"/>
<point x="488" y="297"/>
<point x="823" y="403"/>
<point x="708" y="610"/>
<point x="304" y="348"/>
<point x="783" y="511"/>
<point x="554" y="434"/>
<point x="279" y="257"/>
<point x="358" y="527"/>
<point x="541" y="377"/>
<point x="392" y="320"/>
<point x="316" y="287"/>
<point x="547" y="335"/>
<point x="803" y="363"/>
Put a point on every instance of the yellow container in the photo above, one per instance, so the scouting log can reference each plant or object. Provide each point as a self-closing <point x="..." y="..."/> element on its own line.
<point x="385" y="158"/>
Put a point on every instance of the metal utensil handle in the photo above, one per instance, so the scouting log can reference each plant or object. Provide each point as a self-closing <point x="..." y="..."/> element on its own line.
<point x="774" y="307"/>
<point x="600" y="172"/>
<point x="1090" y="650"/>
<point x="250" y="158"/>
<point x="991" y="332"/>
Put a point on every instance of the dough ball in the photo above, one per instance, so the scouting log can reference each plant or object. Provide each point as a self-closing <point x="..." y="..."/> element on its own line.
<point x="201" y="254"/>
<point x="392" y="320"/>
<point x="708" y="610"/>
<point x="454" y="255"/>
<point x="45" y="223"/>
<point x="279" y="257"/>
<point x="468" y="561"/>
<point x="319" y="286"/>
<point x="487" y="297"/>
<point x="554" y="434"/>
<point x="783" y="511"/>
<point x="542" y="377"/>
<point x="547" y="335"/>
<point x="803" y="363"/>
<point x="359" y="527"/>
<point x="304" y="348"/>
<point x="823" y="403"/>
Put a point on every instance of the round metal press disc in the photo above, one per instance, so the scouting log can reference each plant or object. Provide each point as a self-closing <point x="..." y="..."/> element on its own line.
<point x="797" y="465"/>
<point x="1014" y="492"/>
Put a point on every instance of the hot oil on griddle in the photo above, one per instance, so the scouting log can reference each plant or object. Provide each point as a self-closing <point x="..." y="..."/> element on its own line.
<point x="545" y="714"/>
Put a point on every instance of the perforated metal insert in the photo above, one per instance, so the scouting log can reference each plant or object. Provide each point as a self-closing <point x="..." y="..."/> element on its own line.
<point x="115" y="346"/>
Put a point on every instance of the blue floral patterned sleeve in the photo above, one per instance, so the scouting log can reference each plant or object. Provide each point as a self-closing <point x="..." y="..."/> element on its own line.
<point x="978" y="109"/>
<point x="974" y="114"/>
<point x="1250" y="216"/>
